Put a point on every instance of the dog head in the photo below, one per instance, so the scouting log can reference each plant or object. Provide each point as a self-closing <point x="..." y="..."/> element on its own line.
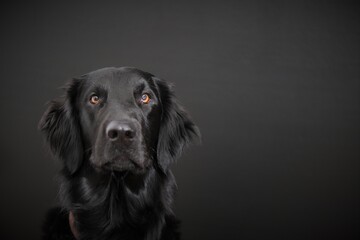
<point x="118" y="119"/>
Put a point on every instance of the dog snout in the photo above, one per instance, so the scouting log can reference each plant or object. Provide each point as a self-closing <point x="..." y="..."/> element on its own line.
<point x="120" y="131"/>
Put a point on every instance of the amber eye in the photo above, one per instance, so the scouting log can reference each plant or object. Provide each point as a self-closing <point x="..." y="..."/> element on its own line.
<point x="145" y="98"/>
<point x="94" y="99"/>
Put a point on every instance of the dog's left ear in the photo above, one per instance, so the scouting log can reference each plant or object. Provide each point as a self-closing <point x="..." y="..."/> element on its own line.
<point x="62" y="132"/>
<point x="177" y="130"/>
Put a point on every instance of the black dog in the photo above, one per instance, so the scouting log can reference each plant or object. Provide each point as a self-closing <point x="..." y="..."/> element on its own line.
<point x="117" y="130"/>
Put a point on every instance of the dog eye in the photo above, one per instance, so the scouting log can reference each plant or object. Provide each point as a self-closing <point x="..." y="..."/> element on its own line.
<point x="94" y="99"/>
<point x="145" y="98"/>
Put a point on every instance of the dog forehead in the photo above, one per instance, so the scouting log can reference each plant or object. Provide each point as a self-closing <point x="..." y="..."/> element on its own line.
<point x="115" y="76"/>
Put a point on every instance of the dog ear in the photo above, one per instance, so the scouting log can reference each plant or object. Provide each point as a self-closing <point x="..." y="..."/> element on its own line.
<point x="60" y="126"/>
<point x="177" y="130"/>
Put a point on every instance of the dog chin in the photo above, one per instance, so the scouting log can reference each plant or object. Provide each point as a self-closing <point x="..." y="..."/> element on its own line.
<point x="120" y="167"/>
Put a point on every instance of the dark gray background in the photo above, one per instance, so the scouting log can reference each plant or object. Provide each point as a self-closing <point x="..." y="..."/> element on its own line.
<point x="273" y="86"/>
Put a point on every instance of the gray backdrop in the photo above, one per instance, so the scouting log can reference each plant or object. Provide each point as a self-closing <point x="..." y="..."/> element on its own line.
<point x="273" y="85"/>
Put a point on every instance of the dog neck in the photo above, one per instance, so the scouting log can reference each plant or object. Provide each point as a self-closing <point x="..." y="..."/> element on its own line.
<point x="125" y="197"/>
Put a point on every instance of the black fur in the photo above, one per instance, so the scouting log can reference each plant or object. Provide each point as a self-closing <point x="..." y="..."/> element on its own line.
<point x="116" y="189"/>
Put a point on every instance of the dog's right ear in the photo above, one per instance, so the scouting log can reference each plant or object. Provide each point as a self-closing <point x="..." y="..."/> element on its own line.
<point x="60" y="125"/>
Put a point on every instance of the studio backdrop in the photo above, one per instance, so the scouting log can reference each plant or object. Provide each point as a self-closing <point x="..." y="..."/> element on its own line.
<point x="273" y="86"/>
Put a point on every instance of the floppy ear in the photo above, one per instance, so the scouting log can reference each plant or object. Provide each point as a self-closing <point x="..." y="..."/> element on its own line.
<point x="61" y="129"/>
<point x="177" y="130"/>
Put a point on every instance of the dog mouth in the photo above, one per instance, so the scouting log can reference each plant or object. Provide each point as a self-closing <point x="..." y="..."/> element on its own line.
<point x="119" y="167"/>
<point x="119" y="164"/>
<point x="108" y="158"/>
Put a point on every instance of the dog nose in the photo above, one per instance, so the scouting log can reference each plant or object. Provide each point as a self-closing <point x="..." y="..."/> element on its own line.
<point x="120" y="131"/>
